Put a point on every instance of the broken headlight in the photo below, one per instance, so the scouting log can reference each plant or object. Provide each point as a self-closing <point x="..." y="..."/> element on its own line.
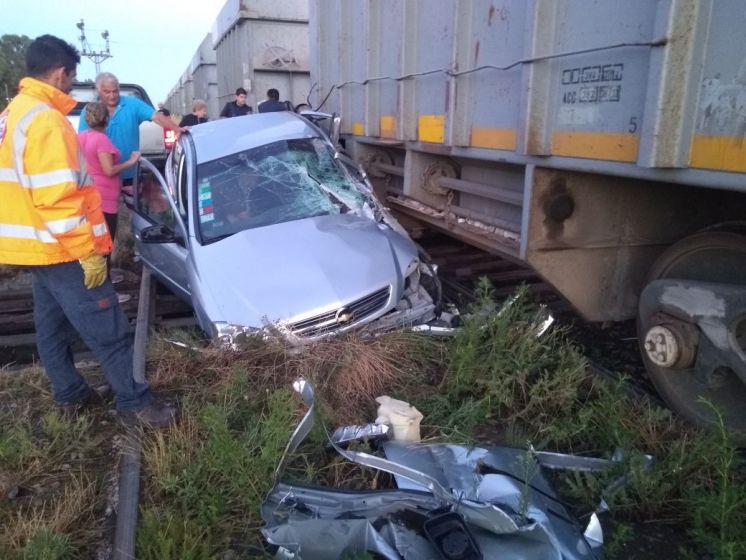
<point x="230" y="335"/>
<point x="412" y="276"/>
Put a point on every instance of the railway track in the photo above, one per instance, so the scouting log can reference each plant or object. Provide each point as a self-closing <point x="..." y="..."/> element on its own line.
<point x="17" y="337"/>
<point x="460" y="266"/>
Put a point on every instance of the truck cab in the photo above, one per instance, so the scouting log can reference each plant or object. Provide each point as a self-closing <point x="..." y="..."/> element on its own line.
<point x="151" y="135"/>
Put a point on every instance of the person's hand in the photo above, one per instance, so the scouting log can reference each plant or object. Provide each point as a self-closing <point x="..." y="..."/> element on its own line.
<point x="94" y="270"/>
<point x="134" y="157"/>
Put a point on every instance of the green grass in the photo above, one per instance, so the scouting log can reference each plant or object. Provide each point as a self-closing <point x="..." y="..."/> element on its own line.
<point x="495" y="382"/>
<point x="52" y="471"/>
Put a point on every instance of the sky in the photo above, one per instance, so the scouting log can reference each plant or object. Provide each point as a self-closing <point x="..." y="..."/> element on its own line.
<point x="151" y="41"/>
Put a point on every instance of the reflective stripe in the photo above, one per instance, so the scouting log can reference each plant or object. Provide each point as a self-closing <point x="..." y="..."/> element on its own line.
<point x="41" y="180"/>
<point x="63" y="226"/>
<point x="19" y="141"/>
<point x="83" y="177"/>
<point x="99" y="229"/>
<point x="26" y="232"/>
<point x="8" y="175"/>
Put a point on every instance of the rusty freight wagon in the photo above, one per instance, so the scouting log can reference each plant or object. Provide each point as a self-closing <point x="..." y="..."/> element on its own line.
<point x="600" y="142"/>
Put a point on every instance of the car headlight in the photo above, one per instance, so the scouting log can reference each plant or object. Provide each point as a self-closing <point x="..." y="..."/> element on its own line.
<point x="228" y="334"/>
<point x="412" y="275"/>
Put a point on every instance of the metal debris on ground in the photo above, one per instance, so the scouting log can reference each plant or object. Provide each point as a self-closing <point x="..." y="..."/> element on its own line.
<point x="451" y="501"/>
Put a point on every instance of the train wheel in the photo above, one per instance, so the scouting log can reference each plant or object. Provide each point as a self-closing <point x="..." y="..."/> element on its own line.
<point x="683" y="364"/>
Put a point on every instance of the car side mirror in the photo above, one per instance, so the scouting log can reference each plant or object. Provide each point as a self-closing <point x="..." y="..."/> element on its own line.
<point x="158" y="234"/>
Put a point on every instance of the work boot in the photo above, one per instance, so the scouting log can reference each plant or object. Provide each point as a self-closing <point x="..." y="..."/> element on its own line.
<point x="98" y="395"/>
<point x="153" y="415"/>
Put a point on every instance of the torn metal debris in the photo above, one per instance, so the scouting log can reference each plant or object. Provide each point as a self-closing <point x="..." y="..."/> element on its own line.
<point x="451" y="501"/>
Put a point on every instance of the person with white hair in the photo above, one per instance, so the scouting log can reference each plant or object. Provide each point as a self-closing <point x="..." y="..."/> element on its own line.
<point x="126" y="113"/>
<point x="198" y="114"/>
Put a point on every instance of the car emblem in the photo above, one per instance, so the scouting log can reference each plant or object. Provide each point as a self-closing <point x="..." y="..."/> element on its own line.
<point x="344" y="316"/>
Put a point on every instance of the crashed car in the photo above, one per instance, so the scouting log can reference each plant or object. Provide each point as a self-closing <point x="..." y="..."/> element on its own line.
<point x="262" y="225"/>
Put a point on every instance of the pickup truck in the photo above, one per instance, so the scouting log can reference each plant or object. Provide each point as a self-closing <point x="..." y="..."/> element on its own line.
<point x="151" y="135"/>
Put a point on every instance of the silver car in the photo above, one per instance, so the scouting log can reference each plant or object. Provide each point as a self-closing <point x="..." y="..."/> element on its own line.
<point x="263" y="226"/>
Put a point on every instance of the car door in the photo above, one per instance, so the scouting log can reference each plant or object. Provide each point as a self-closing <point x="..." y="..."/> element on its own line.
<point x="156" y="203"/>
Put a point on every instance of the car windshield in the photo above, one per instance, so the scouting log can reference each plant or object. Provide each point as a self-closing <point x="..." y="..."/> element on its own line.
<point x="275" y="183"/>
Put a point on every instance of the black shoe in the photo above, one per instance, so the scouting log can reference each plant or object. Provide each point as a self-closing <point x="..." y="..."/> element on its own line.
<point x="98" y="395"/>
<point x="152" y="415"/>
<point x="103" y="391"/>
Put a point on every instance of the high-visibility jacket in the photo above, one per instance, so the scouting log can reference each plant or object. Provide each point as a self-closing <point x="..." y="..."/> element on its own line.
<point x="50" y="212"/>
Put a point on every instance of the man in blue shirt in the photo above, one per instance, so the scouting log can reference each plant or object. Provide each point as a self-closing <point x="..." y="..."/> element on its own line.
<point x="272" y="104"/>
<point x="126" y="113"/>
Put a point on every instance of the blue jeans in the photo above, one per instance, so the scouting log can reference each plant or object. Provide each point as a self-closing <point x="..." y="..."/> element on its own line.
<point x="62" y="306"/>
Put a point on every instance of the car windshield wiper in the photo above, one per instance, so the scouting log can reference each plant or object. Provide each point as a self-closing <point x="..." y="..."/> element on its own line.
<point x="220" y="237"/>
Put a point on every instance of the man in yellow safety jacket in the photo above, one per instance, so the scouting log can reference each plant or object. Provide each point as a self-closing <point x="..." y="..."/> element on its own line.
<point x="51" y="221"/>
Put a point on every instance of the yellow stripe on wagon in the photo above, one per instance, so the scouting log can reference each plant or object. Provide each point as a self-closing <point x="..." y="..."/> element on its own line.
<point x="431" y="128"/>
<point x="596" y="145"/>
<point x="493" y="138"/>
<point x="388" y="126"/>
<point x="724" y="153"/>
<point x="358" y="129"/>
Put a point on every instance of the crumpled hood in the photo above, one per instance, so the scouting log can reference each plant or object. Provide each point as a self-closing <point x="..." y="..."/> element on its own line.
<point x="299" y="269"/>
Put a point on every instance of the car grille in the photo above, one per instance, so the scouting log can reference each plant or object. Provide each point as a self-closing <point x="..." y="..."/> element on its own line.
<point x="352" y="312"/>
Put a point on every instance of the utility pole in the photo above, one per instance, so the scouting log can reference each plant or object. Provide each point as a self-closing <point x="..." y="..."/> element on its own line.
<point x="96" y="56"/>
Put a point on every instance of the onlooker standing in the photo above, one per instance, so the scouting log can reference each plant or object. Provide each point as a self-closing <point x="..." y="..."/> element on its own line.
<point x="272" y="104"/>
<point x="198" y="114"/>
<point x="237" y="108"/>
<point x="102" y="159"/>
<point x="126" y="113"/>
<point x="51" y="221"/>
<point x="162" y="109"/>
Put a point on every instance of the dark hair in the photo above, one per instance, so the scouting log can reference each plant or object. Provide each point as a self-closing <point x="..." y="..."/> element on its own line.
<point x="47" y="52"/>
<point x="273" y="94"/>
<point x="240" y="91"/>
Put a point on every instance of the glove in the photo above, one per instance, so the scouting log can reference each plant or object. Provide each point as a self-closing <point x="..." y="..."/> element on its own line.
<point x="94" y="270"/>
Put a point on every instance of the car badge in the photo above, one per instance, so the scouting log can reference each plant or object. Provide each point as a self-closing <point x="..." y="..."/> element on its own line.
<point x="344" y="316"/>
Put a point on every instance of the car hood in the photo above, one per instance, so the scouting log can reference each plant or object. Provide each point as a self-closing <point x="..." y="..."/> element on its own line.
<point x="296" y="270"/>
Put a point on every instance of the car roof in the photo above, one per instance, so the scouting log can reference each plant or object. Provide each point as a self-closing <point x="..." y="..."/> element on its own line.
<point x="223" y="137"/>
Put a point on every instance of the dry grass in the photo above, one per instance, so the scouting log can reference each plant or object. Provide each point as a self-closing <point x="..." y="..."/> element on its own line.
<point x="52" y="469"/>
<point x="347" y="372"/>
<point x="68" y="512"/>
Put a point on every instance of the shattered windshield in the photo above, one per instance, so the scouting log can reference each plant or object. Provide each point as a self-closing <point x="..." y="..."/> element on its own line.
<point x="278" y="182"/>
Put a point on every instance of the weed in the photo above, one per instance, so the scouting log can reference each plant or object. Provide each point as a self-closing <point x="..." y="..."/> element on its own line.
<point x="216" y="467"/>
<point x="617" y="539"/>
<point x="47" y="545"/>
<point x="528" y="468"/>
<point x="166" y="536"/>
<point x="717" y="503"/>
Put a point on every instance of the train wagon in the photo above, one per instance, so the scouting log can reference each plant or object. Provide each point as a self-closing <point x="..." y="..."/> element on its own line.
<point x="602" y="143"/>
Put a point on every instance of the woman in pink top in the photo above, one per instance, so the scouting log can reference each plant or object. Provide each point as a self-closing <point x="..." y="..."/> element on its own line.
<point x="102" y="160"/>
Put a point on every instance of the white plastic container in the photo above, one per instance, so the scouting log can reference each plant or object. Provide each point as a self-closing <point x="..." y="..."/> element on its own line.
<point x="403" y="418"/>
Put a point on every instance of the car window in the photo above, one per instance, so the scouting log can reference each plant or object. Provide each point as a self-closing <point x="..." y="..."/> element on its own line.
<point x="151" y="200"/>
<point x="278" y="182"/>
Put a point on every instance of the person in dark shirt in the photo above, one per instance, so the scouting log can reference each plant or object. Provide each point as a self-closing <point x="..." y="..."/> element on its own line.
<point x="237" y="108"/>
<point x="198" y="114"/>
<point x="272" y="104"/>
<point x="162" y="109"/>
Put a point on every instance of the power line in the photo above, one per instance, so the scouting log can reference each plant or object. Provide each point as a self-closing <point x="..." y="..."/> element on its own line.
<point x="96" y="56"/>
